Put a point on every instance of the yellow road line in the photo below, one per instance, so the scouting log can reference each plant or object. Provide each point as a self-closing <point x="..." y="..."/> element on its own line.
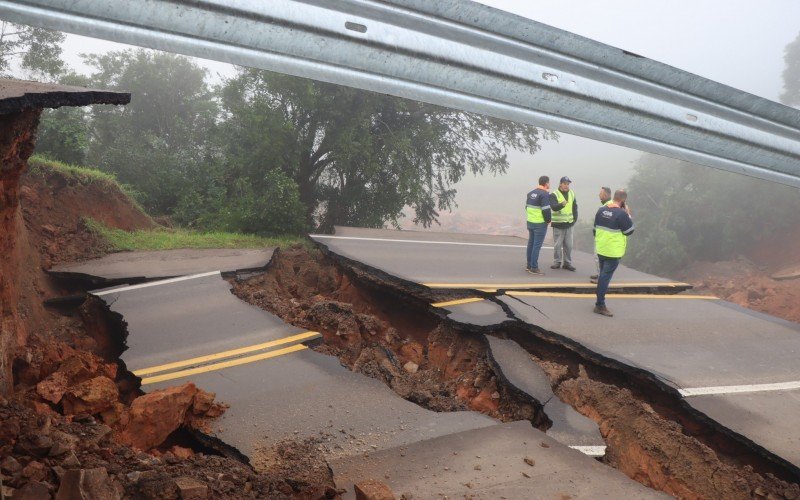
<point x="610" y="295"/>
<point x="495" y="286"/>
<point x="224" y="364"/>
<point x="225" y="354"/>
<point x="457" y="302"/>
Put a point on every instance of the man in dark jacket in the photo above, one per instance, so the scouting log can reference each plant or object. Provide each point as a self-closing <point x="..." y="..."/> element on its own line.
<point x="537" y="208"/>
<point x="565" y="213"/>
<point x="612" y="226"/>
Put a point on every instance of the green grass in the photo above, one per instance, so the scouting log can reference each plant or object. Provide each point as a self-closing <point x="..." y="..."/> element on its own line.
<point x="171" y="239"/>
<point x="40" y="165"/>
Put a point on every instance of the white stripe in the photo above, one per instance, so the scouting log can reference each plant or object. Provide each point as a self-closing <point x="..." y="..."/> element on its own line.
<point x="592" y="451"/>
<point x="736" y="389"/>
<point x="154" y="283"/>
<point x="322" y="236"/>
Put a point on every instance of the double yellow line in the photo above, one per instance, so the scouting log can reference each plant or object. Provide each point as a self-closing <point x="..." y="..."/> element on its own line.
<point x="233" y="357"/>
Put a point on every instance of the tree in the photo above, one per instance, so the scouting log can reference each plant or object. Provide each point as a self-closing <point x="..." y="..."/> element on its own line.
<point x="791" y="74"/>
<point x="63" y="133"/>
<point x="159" y="143"/>
<point x="359" y="158"/>
<point x="37" y="50"/>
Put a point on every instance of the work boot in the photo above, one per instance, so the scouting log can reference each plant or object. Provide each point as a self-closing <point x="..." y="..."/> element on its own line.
<point x="594" y="277"/>
<point x="555" y="266"/>
<point x="569" y="267"/>
<point x="536" y="271"/>
<point x="593" y="280"/>
<point x="602" y="310"/>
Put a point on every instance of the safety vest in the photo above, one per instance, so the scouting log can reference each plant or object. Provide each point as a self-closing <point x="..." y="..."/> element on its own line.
<point x="535" y="215"/>
<point x="564" y="215"/>
<point x="609" y="242"/>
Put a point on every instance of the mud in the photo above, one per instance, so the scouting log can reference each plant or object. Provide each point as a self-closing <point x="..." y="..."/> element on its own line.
<point x="386" y="336"/>
<point x="375" y="328"/>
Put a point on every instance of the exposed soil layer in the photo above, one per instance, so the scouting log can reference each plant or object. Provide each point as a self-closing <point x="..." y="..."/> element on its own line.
<point x="374" y="328"/>
<point x="742" y="282"/>
<point x="386" y="336"/>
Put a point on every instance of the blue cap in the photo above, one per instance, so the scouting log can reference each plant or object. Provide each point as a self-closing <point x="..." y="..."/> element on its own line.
<point x="566" y="179"/>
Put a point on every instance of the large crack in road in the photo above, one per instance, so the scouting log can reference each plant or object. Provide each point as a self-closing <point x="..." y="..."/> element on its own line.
<point x="384" y="327"/>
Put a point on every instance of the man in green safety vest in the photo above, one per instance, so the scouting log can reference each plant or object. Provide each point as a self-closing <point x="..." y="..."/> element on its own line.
<point x="605" y="199"/>
<point x="612" y="226"/>
<point x="537" y="209"/>
<point x="565" y="213"/>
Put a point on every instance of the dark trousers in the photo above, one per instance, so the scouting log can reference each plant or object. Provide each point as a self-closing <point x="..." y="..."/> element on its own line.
<point x="607" y="267"/>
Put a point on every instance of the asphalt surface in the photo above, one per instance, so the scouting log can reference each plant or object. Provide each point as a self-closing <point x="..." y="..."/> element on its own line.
<point x="168" y="263"/>
<point x="515" y="365"/>
<point x="489" y="463"/>
<point x="725" y="360"/>
<point x="177" y="320"/>
<point x="16" y="95"/>
<point x="192" y="329"/>
<point x="685" y="342"/>
<point x="441" y="260"/>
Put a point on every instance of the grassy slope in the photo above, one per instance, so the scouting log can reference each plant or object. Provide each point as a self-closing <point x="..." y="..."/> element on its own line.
<point x="157" y="239"/>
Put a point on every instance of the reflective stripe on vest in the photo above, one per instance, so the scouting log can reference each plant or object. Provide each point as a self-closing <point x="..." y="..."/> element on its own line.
<point x="535" y="215"/>
<point x="565" y="214"/>
<point x="609" y="242"/>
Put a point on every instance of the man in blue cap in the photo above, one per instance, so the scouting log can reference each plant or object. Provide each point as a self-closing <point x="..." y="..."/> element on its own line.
<point x="564" y="214"/>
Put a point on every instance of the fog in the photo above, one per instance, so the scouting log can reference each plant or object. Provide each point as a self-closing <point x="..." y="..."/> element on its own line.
<point x="739" y="43"/>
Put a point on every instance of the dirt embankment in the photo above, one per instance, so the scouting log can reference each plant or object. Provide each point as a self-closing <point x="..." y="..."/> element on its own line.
<point x="379" y="332"/>
<point x="748" y="285"/>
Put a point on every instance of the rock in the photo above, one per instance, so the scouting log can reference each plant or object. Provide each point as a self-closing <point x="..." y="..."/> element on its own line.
<point x="59" y="471"/>
<point x="71" y="461"/>
<point x="34" y="490"/>
<point x="529" y="461"/>
<point x="181" y="452"/>
<point x="58" y="449"/>
<point x="156" y="415"/>
<point x="88" y="484"/>
<point x="9" y="465"/>
<point x="7" y="491"/>
<point x="35" y="445"/>
<point x="411" y="367"/>
<point x="412" y="351"/>
<point x="48" y="229"/>
<point x="202" y="402"/>
<point x="191" y="489"/>
<point x="35" y="471"/>
<point x="92" y="396"/>
<point x="53" y="387"/>
<point x="372" y="489"/>
<point x="116" y="415"/>
<point x="83" y="418"/>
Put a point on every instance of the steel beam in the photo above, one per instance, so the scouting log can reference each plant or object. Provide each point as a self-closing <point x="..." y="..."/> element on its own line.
<point x="462" y="55"/>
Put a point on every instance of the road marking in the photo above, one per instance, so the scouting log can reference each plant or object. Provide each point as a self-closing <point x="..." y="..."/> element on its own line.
<point x="155" y="283"/>
<point x="495" y="286"/>
<point x="592" y="451"/>
<point x="611" y="296"/>
<point x="457" y="302"/>
<point x="224" y="364"/>
<point x="738" y="389"/>
<point x="326" y="237"/>
<point x="226" y="354"/>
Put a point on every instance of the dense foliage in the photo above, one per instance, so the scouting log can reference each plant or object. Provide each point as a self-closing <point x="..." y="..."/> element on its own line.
<point x="267" y="153"/>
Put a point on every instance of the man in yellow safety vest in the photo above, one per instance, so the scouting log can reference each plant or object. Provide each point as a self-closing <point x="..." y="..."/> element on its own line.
<point x="605" y="199"/>
<point x="612" y="226"/>
<point x="565" y="213"/>
<point x="537" y="209"/>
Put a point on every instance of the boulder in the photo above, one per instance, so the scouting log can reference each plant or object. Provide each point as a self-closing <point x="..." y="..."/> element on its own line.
<point x="191" y="488"/>
<point x="91" y="397"/>
<point x="88" y="484"/>
<point x="372" y="489"/>
<point x="154" y="416"/>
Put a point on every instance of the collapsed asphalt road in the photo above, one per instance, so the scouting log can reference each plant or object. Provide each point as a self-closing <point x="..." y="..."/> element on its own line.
<point x="278" y="391"/>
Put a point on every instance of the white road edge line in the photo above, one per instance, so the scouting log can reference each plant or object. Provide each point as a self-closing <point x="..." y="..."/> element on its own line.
<point x="154" y="283"/>
<point x="592" y="451"/>
<point x="736" y="389"/>
<point x="324" y="236"/>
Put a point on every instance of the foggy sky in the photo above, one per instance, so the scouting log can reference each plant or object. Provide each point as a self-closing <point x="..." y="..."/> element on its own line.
<point x="736" y="42"/>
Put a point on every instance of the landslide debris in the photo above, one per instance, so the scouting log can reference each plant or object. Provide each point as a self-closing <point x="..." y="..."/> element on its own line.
<point x="385" y="336"/>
